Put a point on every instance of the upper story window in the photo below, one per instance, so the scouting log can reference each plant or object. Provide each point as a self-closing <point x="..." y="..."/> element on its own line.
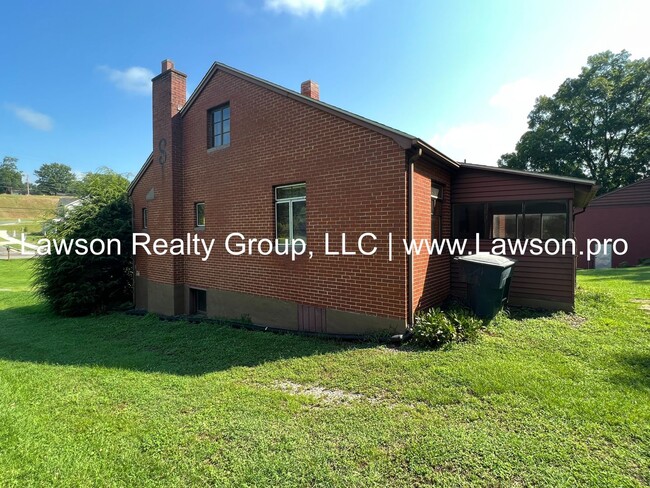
<point x="291" y="212"/>
<point x="199" y="214"/>
<point x="219" y="120"/>
<point x="145" y="218"/>
<point x="436" y="210"/>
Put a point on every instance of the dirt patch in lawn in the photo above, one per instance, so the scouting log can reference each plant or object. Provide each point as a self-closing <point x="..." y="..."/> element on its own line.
<point x="327" y="395"/>
<point x="644" y="304"/>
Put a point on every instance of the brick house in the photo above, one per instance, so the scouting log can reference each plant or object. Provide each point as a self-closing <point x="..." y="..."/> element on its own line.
<point x="248" y="156"/>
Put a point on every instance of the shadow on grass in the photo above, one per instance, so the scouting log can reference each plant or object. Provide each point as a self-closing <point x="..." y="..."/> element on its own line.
<point x="636" y="274"/>
<point x="33" y="334"/>
<point x="636" y="370"/>
<point x="522" y="313"/>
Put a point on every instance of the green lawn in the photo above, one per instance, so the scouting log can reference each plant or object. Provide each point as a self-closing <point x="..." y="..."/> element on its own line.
<point x="556" y="400"/>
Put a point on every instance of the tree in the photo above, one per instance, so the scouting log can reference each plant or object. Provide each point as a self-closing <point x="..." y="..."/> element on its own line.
<point x="54" y="178"/>
<point x="596" y="125"/>
<point x="76" y="284"/>
<point x="10" y="177"/>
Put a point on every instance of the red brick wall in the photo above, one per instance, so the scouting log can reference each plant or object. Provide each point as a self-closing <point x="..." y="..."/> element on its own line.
<point x="356" y="182"/>
<point x="164" y="175"/>
<point x="431" y="274"/>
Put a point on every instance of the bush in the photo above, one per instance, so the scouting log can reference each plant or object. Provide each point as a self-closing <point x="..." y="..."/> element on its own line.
<point x="644" y="262"/>
<point x="435" y="328"/>
<point x="467" y="324"/>
<point x="623" y="264"/>
<point x="82" y="284"/>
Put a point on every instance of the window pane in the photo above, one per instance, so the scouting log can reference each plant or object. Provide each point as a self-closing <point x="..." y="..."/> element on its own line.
<point x="217" y="140"/>
<point x="504" y="226"/>
<point x="226" y="138"/>
<point x="226" y="112"/>
<point x="532" y="226"/>
<point x="200" y="214"/>
<point x="282" y="220"/>
<point x="294" y="191"/>
<point x="217" y="128"/>
<point x="469" y="220"/>
<point x="546" y="207"/>
<point x="505" y="208"/>
<point x="436" y="191"/>
<point x="300" y="220"/>
<point x="506" y="219"/>
<point x="216" y="116"/>
<point x="554" y="226"/>
<point x="226" y="125"/>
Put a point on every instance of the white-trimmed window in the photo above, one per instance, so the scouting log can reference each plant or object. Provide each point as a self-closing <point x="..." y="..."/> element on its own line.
<point x="291" y="212"/>
<point x="199" y="214"/>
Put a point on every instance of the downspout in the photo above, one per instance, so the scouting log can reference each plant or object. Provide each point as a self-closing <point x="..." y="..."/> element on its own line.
<point x="410" y="165"/>
<point x="573" y="236"/>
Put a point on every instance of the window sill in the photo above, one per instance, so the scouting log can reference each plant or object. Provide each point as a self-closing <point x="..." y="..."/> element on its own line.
<point x="218" y="148"/>
<point x="199" y="228"/>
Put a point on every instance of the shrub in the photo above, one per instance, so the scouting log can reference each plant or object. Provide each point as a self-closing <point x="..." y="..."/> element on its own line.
<point x="467" y="324"/>
<point x="644" y="262"/>
<point x="623" y="264"/>
<point x="82" y="284"/>
<point x="433" y="329"/>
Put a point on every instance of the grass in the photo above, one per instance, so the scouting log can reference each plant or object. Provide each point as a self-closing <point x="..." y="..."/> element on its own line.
<point x="27" y="207"/>
<point x="543" y="399"/>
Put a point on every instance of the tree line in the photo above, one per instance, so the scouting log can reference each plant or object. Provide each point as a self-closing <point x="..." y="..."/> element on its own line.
<point x="51" y="179"/>
<point x="595" y="126"/>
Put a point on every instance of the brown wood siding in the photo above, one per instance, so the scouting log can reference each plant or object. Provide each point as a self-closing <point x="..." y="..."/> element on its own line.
<point x="546" y="280"/>
<point x="476" y="186"/>
<point x="635" y="194"/>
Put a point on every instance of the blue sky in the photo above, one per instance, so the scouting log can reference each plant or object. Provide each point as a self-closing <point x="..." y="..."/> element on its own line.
<point x="462" y="75"/>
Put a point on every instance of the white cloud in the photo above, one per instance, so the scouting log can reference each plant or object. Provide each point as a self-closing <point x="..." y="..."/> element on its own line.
<point x="33" y="118"/>
<point x="484" y="141"/>
<point x="302" y="8"/>
<point x="135" y="79"/>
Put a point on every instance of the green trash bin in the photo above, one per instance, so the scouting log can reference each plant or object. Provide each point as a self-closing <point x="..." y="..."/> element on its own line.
<point x="488" y="282"/>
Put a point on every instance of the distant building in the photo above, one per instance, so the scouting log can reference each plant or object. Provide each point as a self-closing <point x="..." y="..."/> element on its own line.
<point x="619" y="214"/>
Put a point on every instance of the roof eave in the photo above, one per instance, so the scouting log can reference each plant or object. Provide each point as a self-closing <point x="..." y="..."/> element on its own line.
<point x="129" y="190"/>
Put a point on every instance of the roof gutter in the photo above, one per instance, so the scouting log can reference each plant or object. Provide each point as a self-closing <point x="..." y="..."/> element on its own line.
<point x="417" y="154"/>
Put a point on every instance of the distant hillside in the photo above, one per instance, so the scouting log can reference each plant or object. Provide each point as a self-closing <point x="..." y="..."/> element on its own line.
<point x="27" y="207"/>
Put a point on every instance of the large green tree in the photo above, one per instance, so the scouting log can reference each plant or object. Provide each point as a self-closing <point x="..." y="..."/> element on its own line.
<point x="10" y="177"/>
<point x="76" y="284"/>
<point x="596" y="125"/>
<point x="55" y="178"/>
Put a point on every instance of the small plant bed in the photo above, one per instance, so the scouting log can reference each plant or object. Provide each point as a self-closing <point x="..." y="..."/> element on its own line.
<point x="439" y="327"/>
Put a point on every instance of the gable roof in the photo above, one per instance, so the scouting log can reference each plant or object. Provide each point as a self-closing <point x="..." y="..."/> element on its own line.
<point x="404" y="140"/>
<point x="637" y="193"/>
<point x="139" y="174"/>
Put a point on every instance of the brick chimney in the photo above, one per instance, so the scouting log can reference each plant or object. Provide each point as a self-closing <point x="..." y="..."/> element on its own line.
<point x="310" y="89"/>
<point x="165" y="212"/>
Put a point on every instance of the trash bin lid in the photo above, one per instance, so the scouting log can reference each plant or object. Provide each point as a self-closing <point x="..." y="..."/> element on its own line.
<point x="487" y="259"/>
